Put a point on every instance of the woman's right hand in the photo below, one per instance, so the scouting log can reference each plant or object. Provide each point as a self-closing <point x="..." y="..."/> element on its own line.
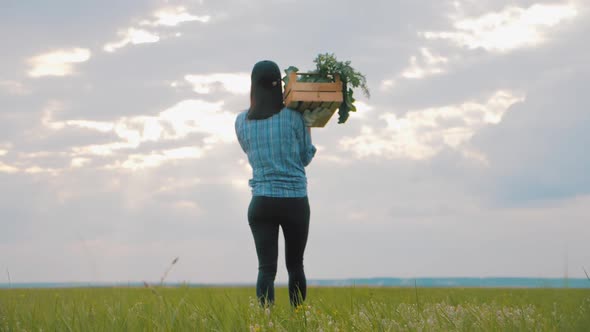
<point x="311" y="116"/>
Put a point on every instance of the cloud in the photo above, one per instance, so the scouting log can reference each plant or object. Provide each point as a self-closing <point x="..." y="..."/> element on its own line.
<point x="197" y="116"/>
<point x="79" y="162"/>
<point x="156" y="159"/>
<point x="14" y="88"/>
<point x="539" y="151"/>
<point x="166" y="17"/>
<point x="132" y="36"/>
<point x="387" y="84"/>
<point x="424" y="65"/>
<point x="5" y="168"/>
<point x="21" y="168"/>
<point x="237" y="83"/>
<point x="185" y="118"/>
<point x="57" y="63"/>
<point x="512" y="28"/>
<point x="174" y="16"/>
<point x="421" y="134"/>
<point x="421" y="66"/>
<point x="144" y="208"/>
<point x="362" y="108"/>
<point x="20" y="162"/>
<point x="103" y="127"/>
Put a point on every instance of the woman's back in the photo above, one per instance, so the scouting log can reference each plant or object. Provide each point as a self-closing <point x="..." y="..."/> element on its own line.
<point x="278" y="149"/>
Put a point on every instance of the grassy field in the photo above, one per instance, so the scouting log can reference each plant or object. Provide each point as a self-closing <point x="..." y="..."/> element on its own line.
<point x="327" y="309"/>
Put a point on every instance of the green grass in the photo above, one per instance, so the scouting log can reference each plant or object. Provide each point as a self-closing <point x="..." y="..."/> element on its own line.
<point x="327" y="309"/>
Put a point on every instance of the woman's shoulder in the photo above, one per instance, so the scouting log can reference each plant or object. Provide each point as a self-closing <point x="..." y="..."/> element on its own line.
<point x="295" y="118"/>
<point x="241" y="115"/>
<point x="240" y="119"/>
<point x="291" y="112"/>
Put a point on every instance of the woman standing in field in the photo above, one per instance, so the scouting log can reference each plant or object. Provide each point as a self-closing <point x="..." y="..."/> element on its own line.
<point x="278" y="146"/>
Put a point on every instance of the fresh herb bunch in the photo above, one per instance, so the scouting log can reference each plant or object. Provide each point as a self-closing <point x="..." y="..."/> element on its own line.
<point x="326" y="67"/>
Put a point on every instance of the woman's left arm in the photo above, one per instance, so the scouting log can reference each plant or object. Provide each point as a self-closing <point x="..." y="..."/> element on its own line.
<point x="237" y="127"/>
<point x="305" y="145"/>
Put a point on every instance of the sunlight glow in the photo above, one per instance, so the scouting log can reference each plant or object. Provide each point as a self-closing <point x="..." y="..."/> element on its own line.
<point x="79" y="162"/>
<point x="132" y="36"/>
<point x="197" y="116"/>
<point x="40" y="170"/>
<point x="57" y="63"/>
<point x="237" y="83"/>
<point x="191" y="206"/>
<point x="165" y="17"/>
<point x="174" y="16"/>
<point x="512" y="28"/>
<point x="240" y="183"/>
<point x="421" y="134"/>
<point x="4" y="168"/>
<point x="362" y="109"/>
<point x="171" y="185"/>
<point x="185" y="118"/>
<point x="103" y="127"/>
<point x="156" y="159"/>
<point x="387" y="85"/>
<point x="102" y="149"/>
<point x="426" y="65"/>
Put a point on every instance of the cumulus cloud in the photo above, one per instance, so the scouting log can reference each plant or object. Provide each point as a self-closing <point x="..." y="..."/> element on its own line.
<point x="512" y="28"/>
<point x="57" y="63"/>
<point x="421" y="134"/>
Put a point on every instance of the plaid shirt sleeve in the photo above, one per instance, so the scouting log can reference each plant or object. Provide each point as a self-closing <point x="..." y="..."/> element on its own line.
<point x="306" y="148"/>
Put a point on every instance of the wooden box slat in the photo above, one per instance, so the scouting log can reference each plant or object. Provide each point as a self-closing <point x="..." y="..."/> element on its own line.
<point x="309" y="96"/>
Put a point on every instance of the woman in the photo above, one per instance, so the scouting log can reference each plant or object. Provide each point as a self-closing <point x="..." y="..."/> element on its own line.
<point x="278" y="146"/>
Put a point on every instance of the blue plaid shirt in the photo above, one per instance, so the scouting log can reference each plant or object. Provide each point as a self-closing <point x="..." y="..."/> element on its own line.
<point x="278" y="150"/>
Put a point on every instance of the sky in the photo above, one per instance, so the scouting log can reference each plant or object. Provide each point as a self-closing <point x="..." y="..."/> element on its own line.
<point x="118" y="151"/>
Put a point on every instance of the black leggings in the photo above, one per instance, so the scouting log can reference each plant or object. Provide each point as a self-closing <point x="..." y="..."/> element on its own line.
<point x="265" y="215"/>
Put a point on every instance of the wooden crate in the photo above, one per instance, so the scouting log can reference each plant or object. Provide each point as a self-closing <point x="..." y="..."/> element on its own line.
<point x="302" y="96"/>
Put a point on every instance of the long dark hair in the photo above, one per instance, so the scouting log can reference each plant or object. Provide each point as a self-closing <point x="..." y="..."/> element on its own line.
<point x="266" y="92"/>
